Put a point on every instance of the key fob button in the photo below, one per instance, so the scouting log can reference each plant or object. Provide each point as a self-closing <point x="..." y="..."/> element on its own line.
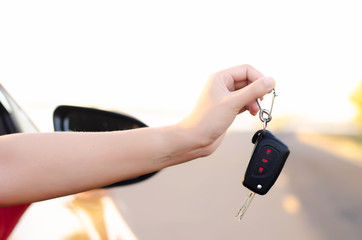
<point x="269" y="153"/>
<point x="260" y="170"/>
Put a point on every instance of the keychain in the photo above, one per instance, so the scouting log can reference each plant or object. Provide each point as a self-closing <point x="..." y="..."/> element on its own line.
<point x="266" y="162"/>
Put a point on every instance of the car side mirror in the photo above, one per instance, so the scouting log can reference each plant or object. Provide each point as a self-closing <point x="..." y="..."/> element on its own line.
<point x="81" y="119"/>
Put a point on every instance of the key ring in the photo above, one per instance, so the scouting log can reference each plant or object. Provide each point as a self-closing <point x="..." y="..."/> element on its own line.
<point x="267" y="112"/>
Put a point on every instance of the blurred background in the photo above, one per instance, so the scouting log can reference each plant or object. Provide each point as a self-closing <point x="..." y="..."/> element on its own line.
<point x="151" y="59"/>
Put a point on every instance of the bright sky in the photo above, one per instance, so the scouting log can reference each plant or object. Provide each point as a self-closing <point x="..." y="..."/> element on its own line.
<point x="151" y="58"/>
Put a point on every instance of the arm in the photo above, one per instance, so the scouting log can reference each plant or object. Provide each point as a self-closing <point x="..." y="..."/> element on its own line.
<point x="40" y="166"/>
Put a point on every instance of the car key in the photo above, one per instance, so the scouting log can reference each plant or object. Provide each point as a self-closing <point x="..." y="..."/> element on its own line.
<point x="266" y="162"/>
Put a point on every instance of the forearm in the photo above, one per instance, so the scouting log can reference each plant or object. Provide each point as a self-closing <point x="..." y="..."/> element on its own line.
<point x="35" y="167"/>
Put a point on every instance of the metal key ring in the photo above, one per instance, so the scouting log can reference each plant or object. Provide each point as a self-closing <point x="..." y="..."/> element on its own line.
<point x="261" y="115"/>
<point x="263" y="111"/>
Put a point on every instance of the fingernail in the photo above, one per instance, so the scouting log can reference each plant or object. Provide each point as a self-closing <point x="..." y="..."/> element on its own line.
<point x="269" y="82"/>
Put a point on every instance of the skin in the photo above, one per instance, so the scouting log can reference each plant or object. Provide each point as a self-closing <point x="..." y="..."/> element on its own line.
<point x="41" y="166"/>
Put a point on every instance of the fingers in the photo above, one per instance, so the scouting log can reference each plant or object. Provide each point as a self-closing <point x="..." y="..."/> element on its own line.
<point x="251" y="92"/>
<point x="252" y="107"/>
<point x="242" y="74"/>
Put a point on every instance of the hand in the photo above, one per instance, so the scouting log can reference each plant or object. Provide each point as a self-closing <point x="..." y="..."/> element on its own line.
<point x="226" y="94"/>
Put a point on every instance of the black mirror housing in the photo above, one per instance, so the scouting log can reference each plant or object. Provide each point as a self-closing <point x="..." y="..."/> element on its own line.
<point x="81" y="119"/>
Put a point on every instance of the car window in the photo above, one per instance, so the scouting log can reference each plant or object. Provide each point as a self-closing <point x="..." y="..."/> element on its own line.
<point x="13" y="119"/>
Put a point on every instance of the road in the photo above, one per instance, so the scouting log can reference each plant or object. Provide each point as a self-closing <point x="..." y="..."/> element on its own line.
<point x="317" y="196"/>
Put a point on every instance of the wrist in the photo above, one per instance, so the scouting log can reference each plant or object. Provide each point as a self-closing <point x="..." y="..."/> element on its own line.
<point x="192" y="135"/>
<point x="183" y="144"/>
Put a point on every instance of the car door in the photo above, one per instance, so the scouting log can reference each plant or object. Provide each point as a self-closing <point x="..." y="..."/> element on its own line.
<point x="12" y="120"/>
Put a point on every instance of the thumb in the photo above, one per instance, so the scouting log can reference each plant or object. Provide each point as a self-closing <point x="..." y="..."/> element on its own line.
<point x="254" y="90"/>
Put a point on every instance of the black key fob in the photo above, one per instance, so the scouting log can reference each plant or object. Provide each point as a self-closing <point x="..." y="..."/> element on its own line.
<point x="266" y="163"/>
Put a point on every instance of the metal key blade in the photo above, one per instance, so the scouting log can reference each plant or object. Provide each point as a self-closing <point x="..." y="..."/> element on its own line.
<point x="245" y="206"/>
